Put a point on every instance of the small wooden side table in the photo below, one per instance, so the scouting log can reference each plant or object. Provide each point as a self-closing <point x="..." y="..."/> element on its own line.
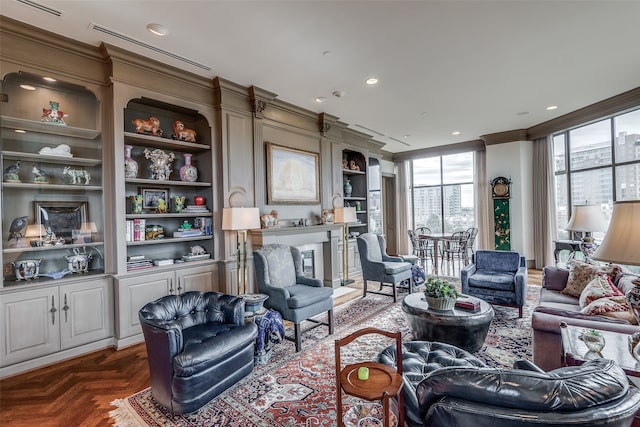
<point x="384" y="382"/>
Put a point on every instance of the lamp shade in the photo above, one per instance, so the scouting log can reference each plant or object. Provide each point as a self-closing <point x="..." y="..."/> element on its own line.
<point x="621" y="244"/>
<point x="240" y="218"/>
<point x="586" y="218"/>
<point x="35" y="230"/>
<point x="345" y="215"/>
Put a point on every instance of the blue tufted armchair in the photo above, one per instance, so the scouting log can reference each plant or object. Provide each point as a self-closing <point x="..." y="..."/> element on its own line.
<point x="498" y="277"/>
<point x="380" y="267"/>
<point x="198" y="346"/>
<point x="279" y="274"/>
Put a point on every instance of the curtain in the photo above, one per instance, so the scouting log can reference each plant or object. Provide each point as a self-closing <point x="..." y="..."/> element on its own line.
<point x="482" y="202"/>
<point x="402" y="194"/>
<point x="545" y="225"/>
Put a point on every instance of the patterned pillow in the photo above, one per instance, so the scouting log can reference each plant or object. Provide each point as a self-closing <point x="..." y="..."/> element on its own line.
<point x="599" y="287"/>
<point x="615" y="307"/>
<point x="580" y="274"/>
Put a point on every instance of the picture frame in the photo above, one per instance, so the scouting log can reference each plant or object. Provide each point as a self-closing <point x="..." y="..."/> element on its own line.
<point x="150" y="197"/>
<point x="293" y="175"/>
<point x="64" y="219"/>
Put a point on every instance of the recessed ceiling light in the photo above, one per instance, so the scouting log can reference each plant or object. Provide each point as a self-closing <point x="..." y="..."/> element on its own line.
<point x="320" y="99"/>
<point x="326" y="53"/>
<point x="27" y="87"/>
<point x="20" y="131"/>
<point x="49" y="79"/>
<point x="339" y="93"/>
<point x="371" y="81"/>
<point x="552" y="107"/>
<point x="158" y="29"/>
<point x="406" y="136"/>
<point x="456" y="132"/>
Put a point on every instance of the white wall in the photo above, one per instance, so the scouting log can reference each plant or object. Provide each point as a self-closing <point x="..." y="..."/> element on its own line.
<point x="514" y="160"/>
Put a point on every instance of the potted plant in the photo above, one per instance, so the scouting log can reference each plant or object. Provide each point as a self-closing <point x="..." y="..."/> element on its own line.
<point x="440" y="294"/>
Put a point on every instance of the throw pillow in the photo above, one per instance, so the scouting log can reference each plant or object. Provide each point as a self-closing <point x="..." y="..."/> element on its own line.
<point x="580" y="274"/>
<point x="615" y="307"/>
<point x="597" y="288"/>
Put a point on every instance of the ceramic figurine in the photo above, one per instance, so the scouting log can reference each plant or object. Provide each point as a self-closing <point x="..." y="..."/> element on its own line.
<point x="76" y="176"/>
<point x="354" y="166"/>
<point x="39" y="176"/>
<point x="130" y="165"/>
<point x="197" y="250"/>
<point x="150" y="126"/>
<point x="183" y="134"/>
<point x="327" y="216"/>
<point x="269" y="220"/>
<point x="11" y="173"/>
<point x="136" y="204"/>
<point x="27" y="269"/>
<point x="16" y="229"/>
<point x="53" y="114"/>
<point x="345" y="164"/>
<point x="162" y="206"/>
<point x="160" y="163"/>
<point x="188" y="172"/>
<point x="62" y="150"/>
<point x="178" y="203"/>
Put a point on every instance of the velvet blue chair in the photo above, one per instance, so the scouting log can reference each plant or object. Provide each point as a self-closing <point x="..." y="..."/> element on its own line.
<point x="498" y="277"/>
<point x="297" y="297"/>
<point x="380" y="267"/>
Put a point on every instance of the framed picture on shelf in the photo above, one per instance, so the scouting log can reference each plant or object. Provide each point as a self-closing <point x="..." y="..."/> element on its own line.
<point x="62" y="218"/>
<point x="154" y="198"/>
<point x="292" y="175"/>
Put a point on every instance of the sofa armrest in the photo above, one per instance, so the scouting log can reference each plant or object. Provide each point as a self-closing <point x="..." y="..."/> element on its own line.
<point x="520" y="279"/>
<point x="554" y="278"/>
<point x="465" y="273"/>
<point x="527" y="365"/>
<point x="309" y="281"/>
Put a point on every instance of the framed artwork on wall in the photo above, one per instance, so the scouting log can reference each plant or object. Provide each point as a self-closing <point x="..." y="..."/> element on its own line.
<point x="293" y="176"/>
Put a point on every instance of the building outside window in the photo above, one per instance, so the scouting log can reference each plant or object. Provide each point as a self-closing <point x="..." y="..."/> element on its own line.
<point x="442" y="193"/>
<point x="597" y="163"/>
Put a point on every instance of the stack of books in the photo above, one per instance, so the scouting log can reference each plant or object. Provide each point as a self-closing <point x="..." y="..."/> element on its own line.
<point x="466" y="302"/>
<point x="139" y="262"/>
<point x="188" y="232"/>
<point x="195" y="209"/>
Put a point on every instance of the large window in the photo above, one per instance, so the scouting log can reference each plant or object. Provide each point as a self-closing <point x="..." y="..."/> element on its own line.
<point x="442" y="193"/>
<point x="598" y="163"/>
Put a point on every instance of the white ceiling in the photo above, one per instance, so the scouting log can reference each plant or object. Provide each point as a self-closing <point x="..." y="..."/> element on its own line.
<point x="478" y="67"/>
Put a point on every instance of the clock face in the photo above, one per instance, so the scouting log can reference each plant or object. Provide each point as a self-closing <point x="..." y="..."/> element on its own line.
<point x="500" y="189"/>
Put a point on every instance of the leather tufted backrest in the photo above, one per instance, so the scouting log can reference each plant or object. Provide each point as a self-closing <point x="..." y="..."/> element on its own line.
<point x="280" y="270"/>
<point x="192" y="308"/>
<point x="564" y="389"/>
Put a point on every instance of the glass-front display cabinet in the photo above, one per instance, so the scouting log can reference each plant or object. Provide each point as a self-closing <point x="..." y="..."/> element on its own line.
<point x="52" y="189"/>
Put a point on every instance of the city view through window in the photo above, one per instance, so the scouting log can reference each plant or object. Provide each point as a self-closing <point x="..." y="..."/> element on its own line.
<point x="602" y="166"/>
<point x="442" y="193"/>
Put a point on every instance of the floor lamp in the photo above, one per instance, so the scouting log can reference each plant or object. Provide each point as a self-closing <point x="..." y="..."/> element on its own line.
<point x="345" y="216"/>
<point x="621" y="244"/>
<point x="587" y="219"/>
<point x="241" y="220"/>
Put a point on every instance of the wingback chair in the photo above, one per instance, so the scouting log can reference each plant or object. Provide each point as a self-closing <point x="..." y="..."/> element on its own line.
<point x="498" y="277"/>
<point x="380" y="267"/>
<point x="198" y="345"/>
<point x="280" y="276"/>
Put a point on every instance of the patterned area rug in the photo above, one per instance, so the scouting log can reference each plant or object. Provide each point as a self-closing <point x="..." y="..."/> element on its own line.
<point x="299" y="389"/>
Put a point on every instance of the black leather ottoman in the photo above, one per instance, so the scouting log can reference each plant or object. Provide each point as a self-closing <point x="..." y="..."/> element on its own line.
<point x="418" y="359"/>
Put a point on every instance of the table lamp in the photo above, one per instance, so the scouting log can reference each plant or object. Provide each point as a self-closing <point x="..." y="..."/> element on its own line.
<point x="241" y="220"/>
<point x="345" y="216"/>
<point x="587" y="219"/>
<point x="34" y="234"/>
<point x="621" y="244"/>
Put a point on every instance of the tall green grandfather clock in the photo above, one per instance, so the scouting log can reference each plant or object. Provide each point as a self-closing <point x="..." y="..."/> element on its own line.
<point x="501" y="193"/>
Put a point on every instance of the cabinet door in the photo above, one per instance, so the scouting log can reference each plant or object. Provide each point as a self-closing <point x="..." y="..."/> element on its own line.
<point x="134" y="293"/>
<point x="203" y="279"/>
<point x="30" y="322"/>
<point x="86" y="313"/>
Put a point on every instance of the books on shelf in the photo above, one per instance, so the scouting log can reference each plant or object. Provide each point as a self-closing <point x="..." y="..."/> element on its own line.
<point x="138" y="262"/>
<point x="195" y="209"/>
<point x="466" y="302"/>
<point x="161" y="262"/>
<point x="135" y="230"/>
<point x="188" y="233"/>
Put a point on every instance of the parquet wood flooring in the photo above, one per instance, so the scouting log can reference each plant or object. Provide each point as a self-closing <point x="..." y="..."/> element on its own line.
<point x="79" y="392"/>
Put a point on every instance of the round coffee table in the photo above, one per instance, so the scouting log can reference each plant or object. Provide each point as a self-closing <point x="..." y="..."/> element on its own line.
<point x="465" y="329"/>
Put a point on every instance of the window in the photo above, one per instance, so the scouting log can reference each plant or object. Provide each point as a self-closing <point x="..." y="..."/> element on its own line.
<point x="597" y="163"/>
<point x="374" y="175"/>
<point x="442" y="193"/>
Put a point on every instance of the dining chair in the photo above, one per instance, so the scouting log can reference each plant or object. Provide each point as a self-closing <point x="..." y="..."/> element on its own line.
<point x="455" y="248"/>
<point x="473" y="232"/>
<point x="421" y="247"/>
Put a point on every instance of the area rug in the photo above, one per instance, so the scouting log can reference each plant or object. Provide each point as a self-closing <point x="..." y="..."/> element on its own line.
<point x="298" y="389"/>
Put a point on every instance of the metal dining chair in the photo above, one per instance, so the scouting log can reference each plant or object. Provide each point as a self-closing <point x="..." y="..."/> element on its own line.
<point x="456" y="248"/>
<point x="473" y="232"/>
<point x="421" y="247"/>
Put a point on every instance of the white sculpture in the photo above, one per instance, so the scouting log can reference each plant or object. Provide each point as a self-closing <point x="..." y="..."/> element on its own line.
<point x="160" y="163"/>
<point x="62" y="150"/>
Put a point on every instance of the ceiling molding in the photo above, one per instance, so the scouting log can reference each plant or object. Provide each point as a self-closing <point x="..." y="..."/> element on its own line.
<point x="441" y="150"/>
<point x="505" y="137"/>
<point x="599" y="110"/>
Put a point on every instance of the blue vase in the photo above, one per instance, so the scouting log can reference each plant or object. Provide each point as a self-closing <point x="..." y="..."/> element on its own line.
<point x="347" y="188"/>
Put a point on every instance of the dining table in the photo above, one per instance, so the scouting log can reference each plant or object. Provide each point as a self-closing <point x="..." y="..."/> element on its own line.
<point x="436" y="238"/>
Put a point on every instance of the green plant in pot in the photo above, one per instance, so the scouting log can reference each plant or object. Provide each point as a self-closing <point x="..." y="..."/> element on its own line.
<point x="440" y="294"/>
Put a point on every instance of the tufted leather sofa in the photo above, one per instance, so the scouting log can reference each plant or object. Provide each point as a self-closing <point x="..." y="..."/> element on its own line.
<point x="447" y="386"/>
<point x="198" y="346"/>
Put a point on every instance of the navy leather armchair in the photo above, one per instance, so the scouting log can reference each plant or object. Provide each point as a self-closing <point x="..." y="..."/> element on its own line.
<point x="198" y="346"/>
<point x="498" y="277"/>
<point x="297" y="297"/>
<point x="380" y="267"/>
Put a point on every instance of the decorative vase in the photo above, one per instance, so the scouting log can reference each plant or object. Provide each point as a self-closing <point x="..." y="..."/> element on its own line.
<point x="593" y="340"/>
<point x="442" y="304"/>
<point x="178" y="203"/>
<point x="130" y="165"/>
<point x="188" y="172"/>
<point x="347" y="188"/>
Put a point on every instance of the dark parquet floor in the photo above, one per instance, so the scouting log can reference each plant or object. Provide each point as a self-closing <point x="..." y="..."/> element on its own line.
<point x="79" y="392"/>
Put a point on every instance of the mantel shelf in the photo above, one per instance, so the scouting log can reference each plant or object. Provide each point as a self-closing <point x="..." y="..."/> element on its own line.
<point x="48" y="128"/>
